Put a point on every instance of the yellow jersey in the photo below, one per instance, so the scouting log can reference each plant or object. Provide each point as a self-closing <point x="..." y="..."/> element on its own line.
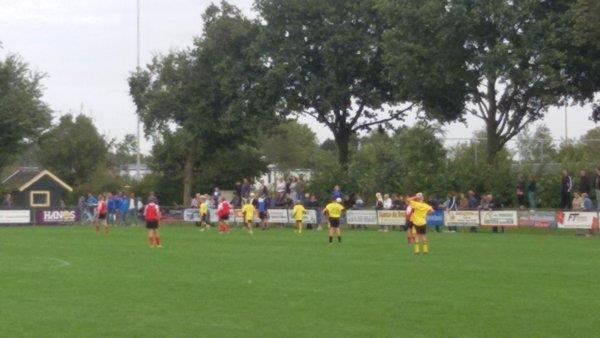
<point x="203" y="209"/>
<point x="420" y="211"/>
<point x="299" y="212"/>
<point x="334" y="210"/>
<point x="248" y="211"/>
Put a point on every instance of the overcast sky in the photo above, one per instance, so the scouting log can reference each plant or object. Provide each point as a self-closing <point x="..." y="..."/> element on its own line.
<point x="88" y="49"/>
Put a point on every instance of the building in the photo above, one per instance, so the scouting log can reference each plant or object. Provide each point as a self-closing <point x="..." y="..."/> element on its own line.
<point x="274" y="172"/>
<point x="131" y="171"/>
<point x="31" y="187"/>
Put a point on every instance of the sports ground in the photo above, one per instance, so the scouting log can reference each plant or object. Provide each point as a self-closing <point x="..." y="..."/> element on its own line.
<point x="71" y="282"/>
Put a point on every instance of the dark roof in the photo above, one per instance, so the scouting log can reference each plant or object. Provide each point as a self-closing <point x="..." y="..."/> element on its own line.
<point x="24" y="177"/>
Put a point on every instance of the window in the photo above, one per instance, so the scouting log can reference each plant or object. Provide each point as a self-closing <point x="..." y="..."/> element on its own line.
<point x="39" y="198"/>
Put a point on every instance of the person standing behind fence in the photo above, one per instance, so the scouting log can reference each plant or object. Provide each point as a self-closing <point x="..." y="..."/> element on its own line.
<point x="584" y="183"/>
<point x="333" y="211"/>
<point x="587" y="202"/>
<point x="379" y="206"/>
<point x="124" y="208"/>
<point x="132" y="212"/>
<point x="531" y="193"/>
<point x="313" y="203"/>
<point x="597" y="187"/>
<point x="566" y="187"/>
<point x="451" y="204"/>
<point x="419" y="219"/>
<point x="520" y="191"/>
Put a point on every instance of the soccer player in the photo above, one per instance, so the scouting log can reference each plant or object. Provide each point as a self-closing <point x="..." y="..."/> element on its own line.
<point x="263" y="215"/>
<point x="419" y="220"/>
<point x="204" y="213"/>
<point x="333" y="211"/>
<point x="410" y="229"/>
<point x="102" y="214"/>
<point x="152" y="216"/>
<point x="248" y="211"/>
<point x="223" y="213"/>
<point x="298" y="214"/>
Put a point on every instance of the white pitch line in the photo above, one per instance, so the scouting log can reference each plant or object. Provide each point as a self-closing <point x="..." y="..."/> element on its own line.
<point x="60" y="261"/>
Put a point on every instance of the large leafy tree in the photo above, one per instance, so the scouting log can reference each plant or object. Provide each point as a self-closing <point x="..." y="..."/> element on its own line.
<point x="503" y="55"/>
<point x="213" y="93"/>
<point x="74" y="150"/>
<point x="23" y="114"/>
<point x="327" y="56"/>
<point x="291" y="145"/>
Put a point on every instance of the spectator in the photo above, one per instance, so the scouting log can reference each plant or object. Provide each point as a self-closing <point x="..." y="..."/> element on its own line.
<point x="195" y="202"/>
<point x="359" y="203"/>
<point x="379" y="205"/>
<point x="584" y="183"/>
<point x="111" y="203"/>
<point x="577" y="204"/>
<point x="216" y="197"/>
<point x="237" y="194"/>
<point x="463" y="202"/>
<point x="488" y="203"/>
<point x="565" y="190"/>
<point x="337" y="192"/>
<point x="123" y="207"/>
<point x="132" y="211"/>
<point x="435" y="205"/>
<point x="520" y="191"/>
<point x="91" y="202"/>
<point x="280" y="187"/>
<point x="294" y="189"/>
<point x="531" y="192"/>
<point x="587" y="202"/>
<point x="246" y="189"/>
<point x="313" y="203"/>
<point x="263" y="189"/>
<point x="8" y="202"/>
<point x="387" y="202"/>
<point x="472" y="200"/>
<point x="597" y="187"/>
<point x="451" y="204"/>
<point x="300" y="186"/>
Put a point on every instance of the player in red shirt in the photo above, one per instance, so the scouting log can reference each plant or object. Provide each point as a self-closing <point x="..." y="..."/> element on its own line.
<point x="102" y="211"/>
<point x="152" y="216"/>
<point x="223" y="213"/>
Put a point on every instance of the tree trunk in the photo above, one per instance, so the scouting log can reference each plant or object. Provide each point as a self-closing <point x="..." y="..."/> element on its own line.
<point x="493" y="139"/>
<point x="188" y="177"/>
<point x="493" y="143"/>
<point x="342" y="139"/>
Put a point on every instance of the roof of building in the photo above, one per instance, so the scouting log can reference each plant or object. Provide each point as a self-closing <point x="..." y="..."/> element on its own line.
<point x="26" y="176"/>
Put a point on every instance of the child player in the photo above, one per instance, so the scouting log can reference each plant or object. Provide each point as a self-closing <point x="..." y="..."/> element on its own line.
<point x="204" y="213"/>
<point x="248" y="211"/>
<point x="152" y="216"/>
<point x="419" y="220"/>
<point x="333" y="211"/>
<point x="223" y="213"/>
<point x="298" y="214"/>
<point x="102" y="214"/>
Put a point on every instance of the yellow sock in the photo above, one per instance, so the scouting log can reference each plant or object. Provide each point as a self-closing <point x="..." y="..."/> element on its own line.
<point x="416" y="248"/>
<point x="425" y="248"/>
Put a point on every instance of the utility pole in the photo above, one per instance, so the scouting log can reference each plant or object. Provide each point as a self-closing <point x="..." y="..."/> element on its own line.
<point x="138" y="163"/>
<point x="566" y="124"/>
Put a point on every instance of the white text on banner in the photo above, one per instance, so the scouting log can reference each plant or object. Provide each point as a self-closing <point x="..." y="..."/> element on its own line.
<point x="361" y="217"/>
<point x="462" y="218"/>
<point x="391" y="217"/>
<point x="499" y="218"/>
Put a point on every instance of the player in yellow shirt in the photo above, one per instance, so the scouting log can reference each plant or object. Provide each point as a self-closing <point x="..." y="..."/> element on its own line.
<point x="204" y="213"/>
<point x="333" y="211"/>
<point x="298" y="214"/>
<point x="419" y="220"/>
<point x="248" y="211"/>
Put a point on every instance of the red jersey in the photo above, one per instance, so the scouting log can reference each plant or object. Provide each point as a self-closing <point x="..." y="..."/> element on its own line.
<point x="408" y="213"/>
<point x="224" y="209"/>
<point x="151" y="212"/>
<point x="102" y="207"/>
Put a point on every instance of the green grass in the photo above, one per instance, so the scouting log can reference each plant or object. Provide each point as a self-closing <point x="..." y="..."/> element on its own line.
<point x="278" y="284"/>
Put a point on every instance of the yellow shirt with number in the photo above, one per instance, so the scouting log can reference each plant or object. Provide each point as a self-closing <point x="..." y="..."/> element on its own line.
<point x="420" y="211"/>
<point x="248" y="211"/>
<point x="298" y="212"/>
<point x="203" y="209"/>
<point x="334" y="209"/>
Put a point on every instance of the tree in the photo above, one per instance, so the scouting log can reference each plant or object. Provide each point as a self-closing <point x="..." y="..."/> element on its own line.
<point x="327" y="56"/>
<point x="23" y="114"/>
<point x="501" y="54"/>
<point x="537" y="147"/>
<point x="290" y="146"/>
<point x="74" y="150"/>
<point x="214" y="93"/>
<point x="124" y="151"/>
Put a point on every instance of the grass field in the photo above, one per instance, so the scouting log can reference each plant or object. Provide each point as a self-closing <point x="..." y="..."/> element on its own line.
<point x="70" y="282"/>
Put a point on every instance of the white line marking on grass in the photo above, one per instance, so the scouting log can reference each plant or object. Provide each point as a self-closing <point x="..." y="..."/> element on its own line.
<point x="60" y="261"/>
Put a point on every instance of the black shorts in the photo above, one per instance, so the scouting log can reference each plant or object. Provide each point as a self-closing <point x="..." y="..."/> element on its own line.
<point x="151" y="224"/>
<point x="421" y="229"/>
<point x="262" y="215"/>
<point x="334" y="222"/>
<point x="224" y="218"/>
<point x="204" y="218"/>
<point x="102" y="216"/>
